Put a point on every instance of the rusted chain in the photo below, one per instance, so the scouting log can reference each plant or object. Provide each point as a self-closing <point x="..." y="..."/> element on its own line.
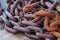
<point x="34" y="18"/>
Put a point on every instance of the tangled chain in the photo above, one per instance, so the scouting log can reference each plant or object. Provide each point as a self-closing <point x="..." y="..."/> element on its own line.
<point x="35" y="18"/>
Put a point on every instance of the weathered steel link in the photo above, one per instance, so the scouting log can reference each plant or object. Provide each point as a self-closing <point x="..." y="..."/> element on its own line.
<point x="30" y="23"/>
<point x="40" y="35"/>
<point x="21" y="29"/>
<point x="9" y="28"/>
<point x="56" y="33"/>
<point x="33" y="31"/>
<point x="4" y="19"/>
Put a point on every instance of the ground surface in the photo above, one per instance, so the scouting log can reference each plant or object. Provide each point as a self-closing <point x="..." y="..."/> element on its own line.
<point x="5" y="35"/>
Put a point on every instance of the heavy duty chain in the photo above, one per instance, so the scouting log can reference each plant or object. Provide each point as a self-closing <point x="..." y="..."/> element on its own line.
<point x="36" y="18"/>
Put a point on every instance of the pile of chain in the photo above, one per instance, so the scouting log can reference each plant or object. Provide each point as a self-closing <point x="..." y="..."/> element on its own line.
<point x="35" y="18"/>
